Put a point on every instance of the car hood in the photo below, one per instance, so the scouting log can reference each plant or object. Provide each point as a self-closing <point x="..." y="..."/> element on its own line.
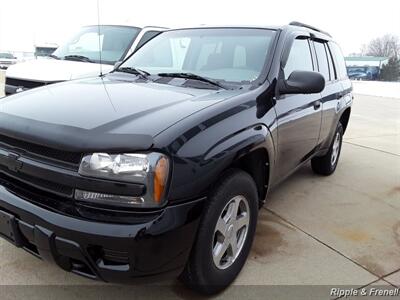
<point x="101" y="113"/>
<point x="53" y="70"/>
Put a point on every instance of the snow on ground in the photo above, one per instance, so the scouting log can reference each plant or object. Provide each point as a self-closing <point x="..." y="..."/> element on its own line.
<point x="377" y="88"/>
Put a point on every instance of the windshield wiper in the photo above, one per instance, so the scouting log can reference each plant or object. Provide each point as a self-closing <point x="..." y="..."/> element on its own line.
<point x="195" y="77"/>
<point x="53" y="56"/>
<point x="135" y="71"/>
<point x="78" y="58"/>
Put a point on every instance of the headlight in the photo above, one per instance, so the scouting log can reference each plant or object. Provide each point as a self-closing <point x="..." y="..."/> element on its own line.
<point x="151" y="170"/>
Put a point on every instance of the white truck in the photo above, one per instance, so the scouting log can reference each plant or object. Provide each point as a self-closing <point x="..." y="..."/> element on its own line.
<point x="93" y="48"/>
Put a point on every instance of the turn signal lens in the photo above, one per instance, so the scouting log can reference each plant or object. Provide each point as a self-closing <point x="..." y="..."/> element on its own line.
<point x="160" y="179"/>
<point x="108" y="199"/>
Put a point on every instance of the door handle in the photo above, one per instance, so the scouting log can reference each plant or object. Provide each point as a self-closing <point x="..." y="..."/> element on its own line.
<point x="317" y="104"/>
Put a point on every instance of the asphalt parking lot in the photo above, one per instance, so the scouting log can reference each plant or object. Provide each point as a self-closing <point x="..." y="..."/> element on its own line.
<point x="314" y="231"/>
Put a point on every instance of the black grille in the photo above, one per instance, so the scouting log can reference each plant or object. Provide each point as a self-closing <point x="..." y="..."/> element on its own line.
<point x="37" y="196"/>
<point x="42" y="151"/>
<point x="116" y="256"/>
<point x="29" y="84"/>
<point x="37" y="183"/>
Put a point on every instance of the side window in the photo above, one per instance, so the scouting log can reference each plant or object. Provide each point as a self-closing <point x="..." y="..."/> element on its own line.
<point x="299" y="57"/>
<point x="322" y="59"/>
<point x="332" y="71"/>
<point x="147" y="37"/>
<point x="341" y="70"/>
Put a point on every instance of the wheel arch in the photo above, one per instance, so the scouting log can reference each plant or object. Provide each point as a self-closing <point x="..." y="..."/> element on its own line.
<point x="344" y="118"/>
<point x="202" y="170"/>
<point x="257" y="164"/>
<point x="257" y="160"/>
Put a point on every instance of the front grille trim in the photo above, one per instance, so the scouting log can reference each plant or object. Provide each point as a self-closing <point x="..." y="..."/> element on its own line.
<point x="37" y="196"/>
<point x="69" y="159"/>
<point x="25" y="83"/>
<point x="39" y="183"/>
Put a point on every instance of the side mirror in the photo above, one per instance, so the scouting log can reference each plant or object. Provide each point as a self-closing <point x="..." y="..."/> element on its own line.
<point x="117" y="64"/>
<point x="302" y="82"/>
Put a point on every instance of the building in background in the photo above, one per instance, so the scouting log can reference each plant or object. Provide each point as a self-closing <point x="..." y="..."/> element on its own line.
<point x="365" y="67"/>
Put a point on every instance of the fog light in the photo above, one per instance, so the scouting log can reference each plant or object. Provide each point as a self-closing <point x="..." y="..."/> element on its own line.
<point x="108" y="199"/>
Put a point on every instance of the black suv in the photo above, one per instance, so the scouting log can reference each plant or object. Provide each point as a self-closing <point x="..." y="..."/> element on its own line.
<point x="162" y="165"/>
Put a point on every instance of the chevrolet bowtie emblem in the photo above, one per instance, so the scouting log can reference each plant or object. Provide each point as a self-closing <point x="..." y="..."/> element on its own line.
<point x="11" y="162"/>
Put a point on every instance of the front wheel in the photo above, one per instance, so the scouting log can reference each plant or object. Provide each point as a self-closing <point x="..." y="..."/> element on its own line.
<point x="225" y="234"/>
<point x="326" y="165"/>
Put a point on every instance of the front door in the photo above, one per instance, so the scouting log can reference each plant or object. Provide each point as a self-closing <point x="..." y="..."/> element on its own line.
<point x="298" y="116"/>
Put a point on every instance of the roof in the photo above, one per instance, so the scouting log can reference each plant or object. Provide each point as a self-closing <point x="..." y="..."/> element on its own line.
<point x="365" y="58"/>
<point x="112" y="25"/>
<point x="204" y="26"/>
<point x="300" y="24"/>
<point x="46" y="45"/>
<point x="291" y="26"/>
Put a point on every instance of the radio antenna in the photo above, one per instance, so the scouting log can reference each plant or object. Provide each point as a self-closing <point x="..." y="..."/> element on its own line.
<point x="98" y="29"/>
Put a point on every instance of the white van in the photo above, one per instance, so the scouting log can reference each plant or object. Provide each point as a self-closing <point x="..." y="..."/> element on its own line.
<point x="80" y="56"/>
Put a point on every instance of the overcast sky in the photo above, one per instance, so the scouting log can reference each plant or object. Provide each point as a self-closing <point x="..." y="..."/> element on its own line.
<point x="351" y="22"/>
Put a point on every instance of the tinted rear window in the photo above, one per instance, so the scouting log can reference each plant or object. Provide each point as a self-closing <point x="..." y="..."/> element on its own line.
<point x="340" y="64"/>
<point x="331" y="65"/>
<point x="322" y="59"/>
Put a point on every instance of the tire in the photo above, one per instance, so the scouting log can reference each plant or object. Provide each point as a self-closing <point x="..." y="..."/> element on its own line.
<point x="326" y="165"/>
<point x="205" y="272"/>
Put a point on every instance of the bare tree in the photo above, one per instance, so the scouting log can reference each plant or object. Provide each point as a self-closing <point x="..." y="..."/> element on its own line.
<point x="386" y="46"/>
<point x="390" y="71"/>
<point x="364" y="50"/>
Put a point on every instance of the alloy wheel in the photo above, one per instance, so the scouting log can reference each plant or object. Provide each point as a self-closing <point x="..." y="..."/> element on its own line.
<point x="230" y="232"/>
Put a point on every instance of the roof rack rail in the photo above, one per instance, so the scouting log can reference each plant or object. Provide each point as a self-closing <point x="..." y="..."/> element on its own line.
<point x="295" y="23"/>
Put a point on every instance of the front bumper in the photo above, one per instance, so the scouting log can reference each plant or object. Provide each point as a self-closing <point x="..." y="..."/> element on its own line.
<point x="4" y="66"/>
<point x="10" y="89"/>
<point x="104" y="251"/>
<point x="17" y="85"/>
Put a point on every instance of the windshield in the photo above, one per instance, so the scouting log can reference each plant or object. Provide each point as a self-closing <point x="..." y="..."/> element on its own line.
<point x="44" y="51"/>
<point x="115" y="41"/>
<point x="228" y="54"/>
<point x="6" y="55"/>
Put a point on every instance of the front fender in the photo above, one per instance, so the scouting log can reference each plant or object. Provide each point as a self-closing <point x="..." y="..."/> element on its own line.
<point x="203" y="145"/>
<point x="202" y="160"/>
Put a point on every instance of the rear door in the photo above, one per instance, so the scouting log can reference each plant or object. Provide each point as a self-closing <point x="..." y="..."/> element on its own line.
<point x="332" y="66"/>
<point x="298" y="116"/>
